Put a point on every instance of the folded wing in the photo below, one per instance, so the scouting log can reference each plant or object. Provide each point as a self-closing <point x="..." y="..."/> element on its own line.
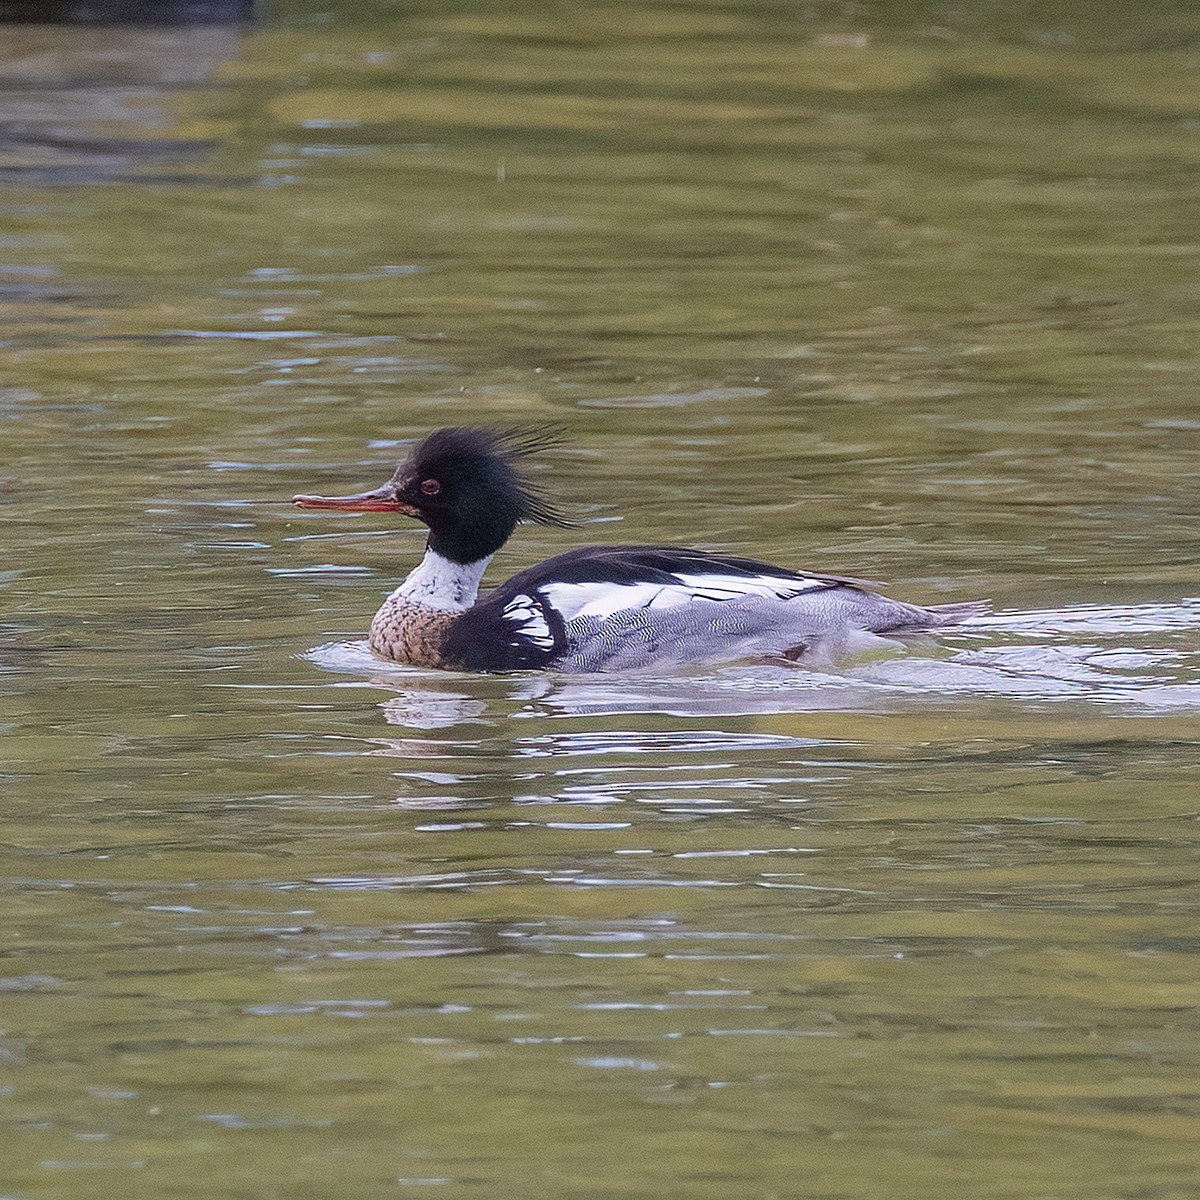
<point x="626" y="607"/>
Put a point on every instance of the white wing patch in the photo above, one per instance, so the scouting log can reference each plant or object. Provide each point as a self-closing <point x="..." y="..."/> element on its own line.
<point x="530" y="622"/>
<point x="730" y="587"/>
<point x="600" y="599"/>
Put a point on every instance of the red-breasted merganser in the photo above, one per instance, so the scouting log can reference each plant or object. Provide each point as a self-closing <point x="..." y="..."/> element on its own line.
<point x="598" y="608"/>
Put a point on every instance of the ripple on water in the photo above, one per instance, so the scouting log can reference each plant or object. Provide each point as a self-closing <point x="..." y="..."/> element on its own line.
<point x="1145" y="657"/>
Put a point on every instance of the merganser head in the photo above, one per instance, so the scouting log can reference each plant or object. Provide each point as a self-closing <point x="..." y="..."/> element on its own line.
<point x="465" y="485"/>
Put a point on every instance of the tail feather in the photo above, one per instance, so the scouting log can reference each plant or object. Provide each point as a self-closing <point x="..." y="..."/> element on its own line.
<point x="960" y="612"/>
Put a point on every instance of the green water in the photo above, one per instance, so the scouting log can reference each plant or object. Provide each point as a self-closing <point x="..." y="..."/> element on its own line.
<point x="907" y="292"/>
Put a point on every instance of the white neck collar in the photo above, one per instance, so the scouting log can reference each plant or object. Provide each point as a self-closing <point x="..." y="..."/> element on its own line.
<point x="443" y="585"/>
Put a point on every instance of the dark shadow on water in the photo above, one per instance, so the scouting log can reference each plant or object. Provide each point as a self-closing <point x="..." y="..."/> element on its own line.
<point x="96" y="105"/>
<point x="127" y="12"/>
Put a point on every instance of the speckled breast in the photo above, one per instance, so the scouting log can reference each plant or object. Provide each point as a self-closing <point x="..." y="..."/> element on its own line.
<point x="411" y="633"/>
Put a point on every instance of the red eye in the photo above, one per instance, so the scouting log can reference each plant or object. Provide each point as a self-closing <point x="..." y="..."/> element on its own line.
<point x="430" y="487"/>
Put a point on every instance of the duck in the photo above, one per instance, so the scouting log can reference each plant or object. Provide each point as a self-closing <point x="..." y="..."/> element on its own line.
<point x="600" y="608"/>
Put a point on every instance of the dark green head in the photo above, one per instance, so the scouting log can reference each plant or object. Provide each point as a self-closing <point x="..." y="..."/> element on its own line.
<point x="464" y="483"/>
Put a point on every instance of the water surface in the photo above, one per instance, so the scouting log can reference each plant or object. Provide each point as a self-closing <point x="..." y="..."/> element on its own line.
<point x="904" y="292"/>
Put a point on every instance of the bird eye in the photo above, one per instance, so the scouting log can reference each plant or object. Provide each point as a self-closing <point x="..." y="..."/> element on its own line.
<point x="430" y="487"/>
